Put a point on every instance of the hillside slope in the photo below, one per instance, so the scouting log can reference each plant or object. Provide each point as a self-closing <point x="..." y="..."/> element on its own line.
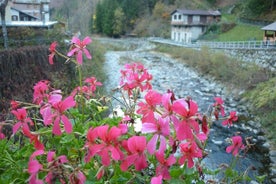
<point x="156" y="13"/>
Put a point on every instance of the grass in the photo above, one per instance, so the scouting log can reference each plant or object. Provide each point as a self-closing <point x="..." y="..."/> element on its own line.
<point x="242" y="32"/>
<point x="263" y="99"/>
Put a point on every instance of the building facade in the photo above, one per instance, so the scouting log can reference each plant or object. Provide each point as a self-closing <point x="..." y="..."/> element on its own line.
<point x="188" y="25"/>
<point x="31" y="13"/>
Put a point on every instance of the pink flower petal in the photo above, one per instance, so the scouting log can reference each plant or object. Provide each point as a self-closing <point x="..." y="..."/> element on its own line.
<point x="67" y="124"/>
<point x="36" y="153"/>
<point x="34" y="166"/>
<point x="87" y="40"/>
<point x="76" y="40"/>
<point x="68" y="103"/>
<point x="50" y="156"/>
<point x="56" y="127"/>
<point x="88" y="55"/>
<point x="16" y="127"/>
<point x="79" y="57"/>
<point x="72" y="52"/>
<point x="152" y="144"/>
<point x="156" y="180"/>
<point x="149" y="128"/>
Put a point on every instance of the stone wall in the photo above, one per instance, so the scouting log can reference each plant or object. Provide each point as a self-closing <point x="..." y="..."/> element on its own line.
<point x="263" y="58"/>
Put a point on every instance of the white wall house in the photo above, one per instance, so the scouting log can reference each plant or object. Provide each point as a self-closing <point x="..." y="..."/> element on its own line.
<point x="188" y="25"/>
<point x="28" y="13"/>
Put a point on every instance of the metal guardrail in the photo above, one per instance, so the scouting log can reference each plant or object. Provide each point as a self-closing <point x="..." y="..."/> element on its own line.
<point x="256" y="44"/>
<point x="238" y="45"/>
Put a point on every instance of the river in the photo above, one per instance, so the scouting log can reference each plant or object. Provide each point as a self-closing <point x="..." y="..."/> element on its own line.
<point x="169" y="73"/>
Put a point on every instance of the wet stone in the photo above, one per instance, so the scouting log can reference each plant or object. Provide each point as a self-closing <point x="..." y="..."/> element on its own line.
<point x="261" y="138"/>
<point x="273" y="171"/>
<point x="272" y="153"/>
<point x="253" y="182"/>
<point x="273" y="159"/>
<point x="266" y="145"/>
<point x="217" y="142"/>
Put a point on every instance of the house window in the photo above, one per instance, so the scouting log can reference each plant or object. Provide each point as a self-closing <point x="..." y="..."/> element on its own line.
<point x="14" y="18"/>
<point x="179" y="17"/>
<point x="196" y="19"/>
<point x="175" y="17"/>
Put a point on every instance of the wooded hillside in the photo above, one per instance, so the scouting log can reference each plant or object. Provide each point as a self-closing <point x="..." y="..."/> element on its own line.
<point x="147" y="17"/>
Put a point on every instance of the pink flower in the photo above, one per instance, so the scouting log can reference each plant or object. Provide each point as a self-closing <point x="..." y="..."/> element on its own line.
<point x="187" y="110"/>
<point x="93" y="83"/>
<point x="107" y="142"/>
<point x="79" y="47"/>
<point x="161" y="128"/>
<point x="34" y="167"/>
<point x="77" y="178"/>
<point x="14" y="104"/>
<point x="33" y="179"/>
<point x="136" y="147"/>
<point x="156" y="180"/>
<point x="147" y="108"/>
<point x="100" y="172"/>
<point x="189" y="151"/>
<point x="218" y="105"/>
<point x="52" y="50"/>
<point x="54" y="166"/>
<point x="236" y="145"/>
<point x="55" y="112"/>
<point x="135" y="76"/>
<point x="204" y="125"/>
<point x="33" y="139"/>
<point x="23" y="120"/>
<point x="164" y="165"/>
<point x="167" y="104"/>
<point x="229" y="121"/>
<point x="40" y="91"/>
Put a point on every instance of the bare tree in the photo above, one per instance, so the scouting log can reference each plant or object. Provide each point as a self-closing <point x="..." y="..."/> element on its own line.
<point x="3" y="4"/>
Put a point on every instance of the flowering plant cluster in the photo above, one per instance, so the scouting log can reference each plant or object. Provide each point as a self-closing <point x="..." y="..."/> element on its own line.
<point x="157" y="139"/>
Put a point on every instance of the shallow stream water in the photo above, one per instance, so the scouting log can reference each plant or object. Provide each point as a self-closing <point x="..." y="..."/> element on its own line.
<point x="169" y="73"/>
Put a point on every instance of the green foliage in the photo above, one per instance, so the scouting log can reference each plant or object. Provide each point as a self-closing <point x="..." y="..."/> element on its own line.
<point x="13" y="161"/>
<point x="242" y="32"/>
<point x="99" y="18"/>
<point x="264" y="95"/>
<point x="119" y="19"/>
<point x="254" y="8"/>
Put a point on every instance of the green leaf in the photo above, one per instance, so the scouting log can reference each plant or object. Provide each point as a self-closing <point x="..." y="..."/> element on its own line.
<point x="261" y="178"/>
<point x="175" y="172"/>
<point x="67" y="138"/>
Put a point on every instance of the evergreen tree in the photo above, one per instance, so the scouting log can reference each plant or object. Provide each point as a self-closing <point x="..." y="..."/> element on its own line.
<point x="118" y="25"/>
<point x="99" y="17"/>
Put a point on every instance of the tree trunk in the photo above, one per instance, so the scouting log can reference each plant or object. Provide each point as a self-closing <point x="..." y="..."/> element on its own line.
<point x="3" y="5"/>
<point x="272" y="5"/>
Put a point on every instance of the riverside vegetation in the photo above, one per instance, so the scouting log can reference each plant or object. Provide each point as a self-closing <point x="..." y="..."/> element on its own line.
<point x="68" y="139"/>
<point x="258" y="85"/>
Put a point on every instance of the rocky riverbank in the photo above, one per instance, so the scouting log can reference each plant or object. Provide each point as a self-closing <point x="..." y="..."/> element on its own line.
<point x="184" y="81"/>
